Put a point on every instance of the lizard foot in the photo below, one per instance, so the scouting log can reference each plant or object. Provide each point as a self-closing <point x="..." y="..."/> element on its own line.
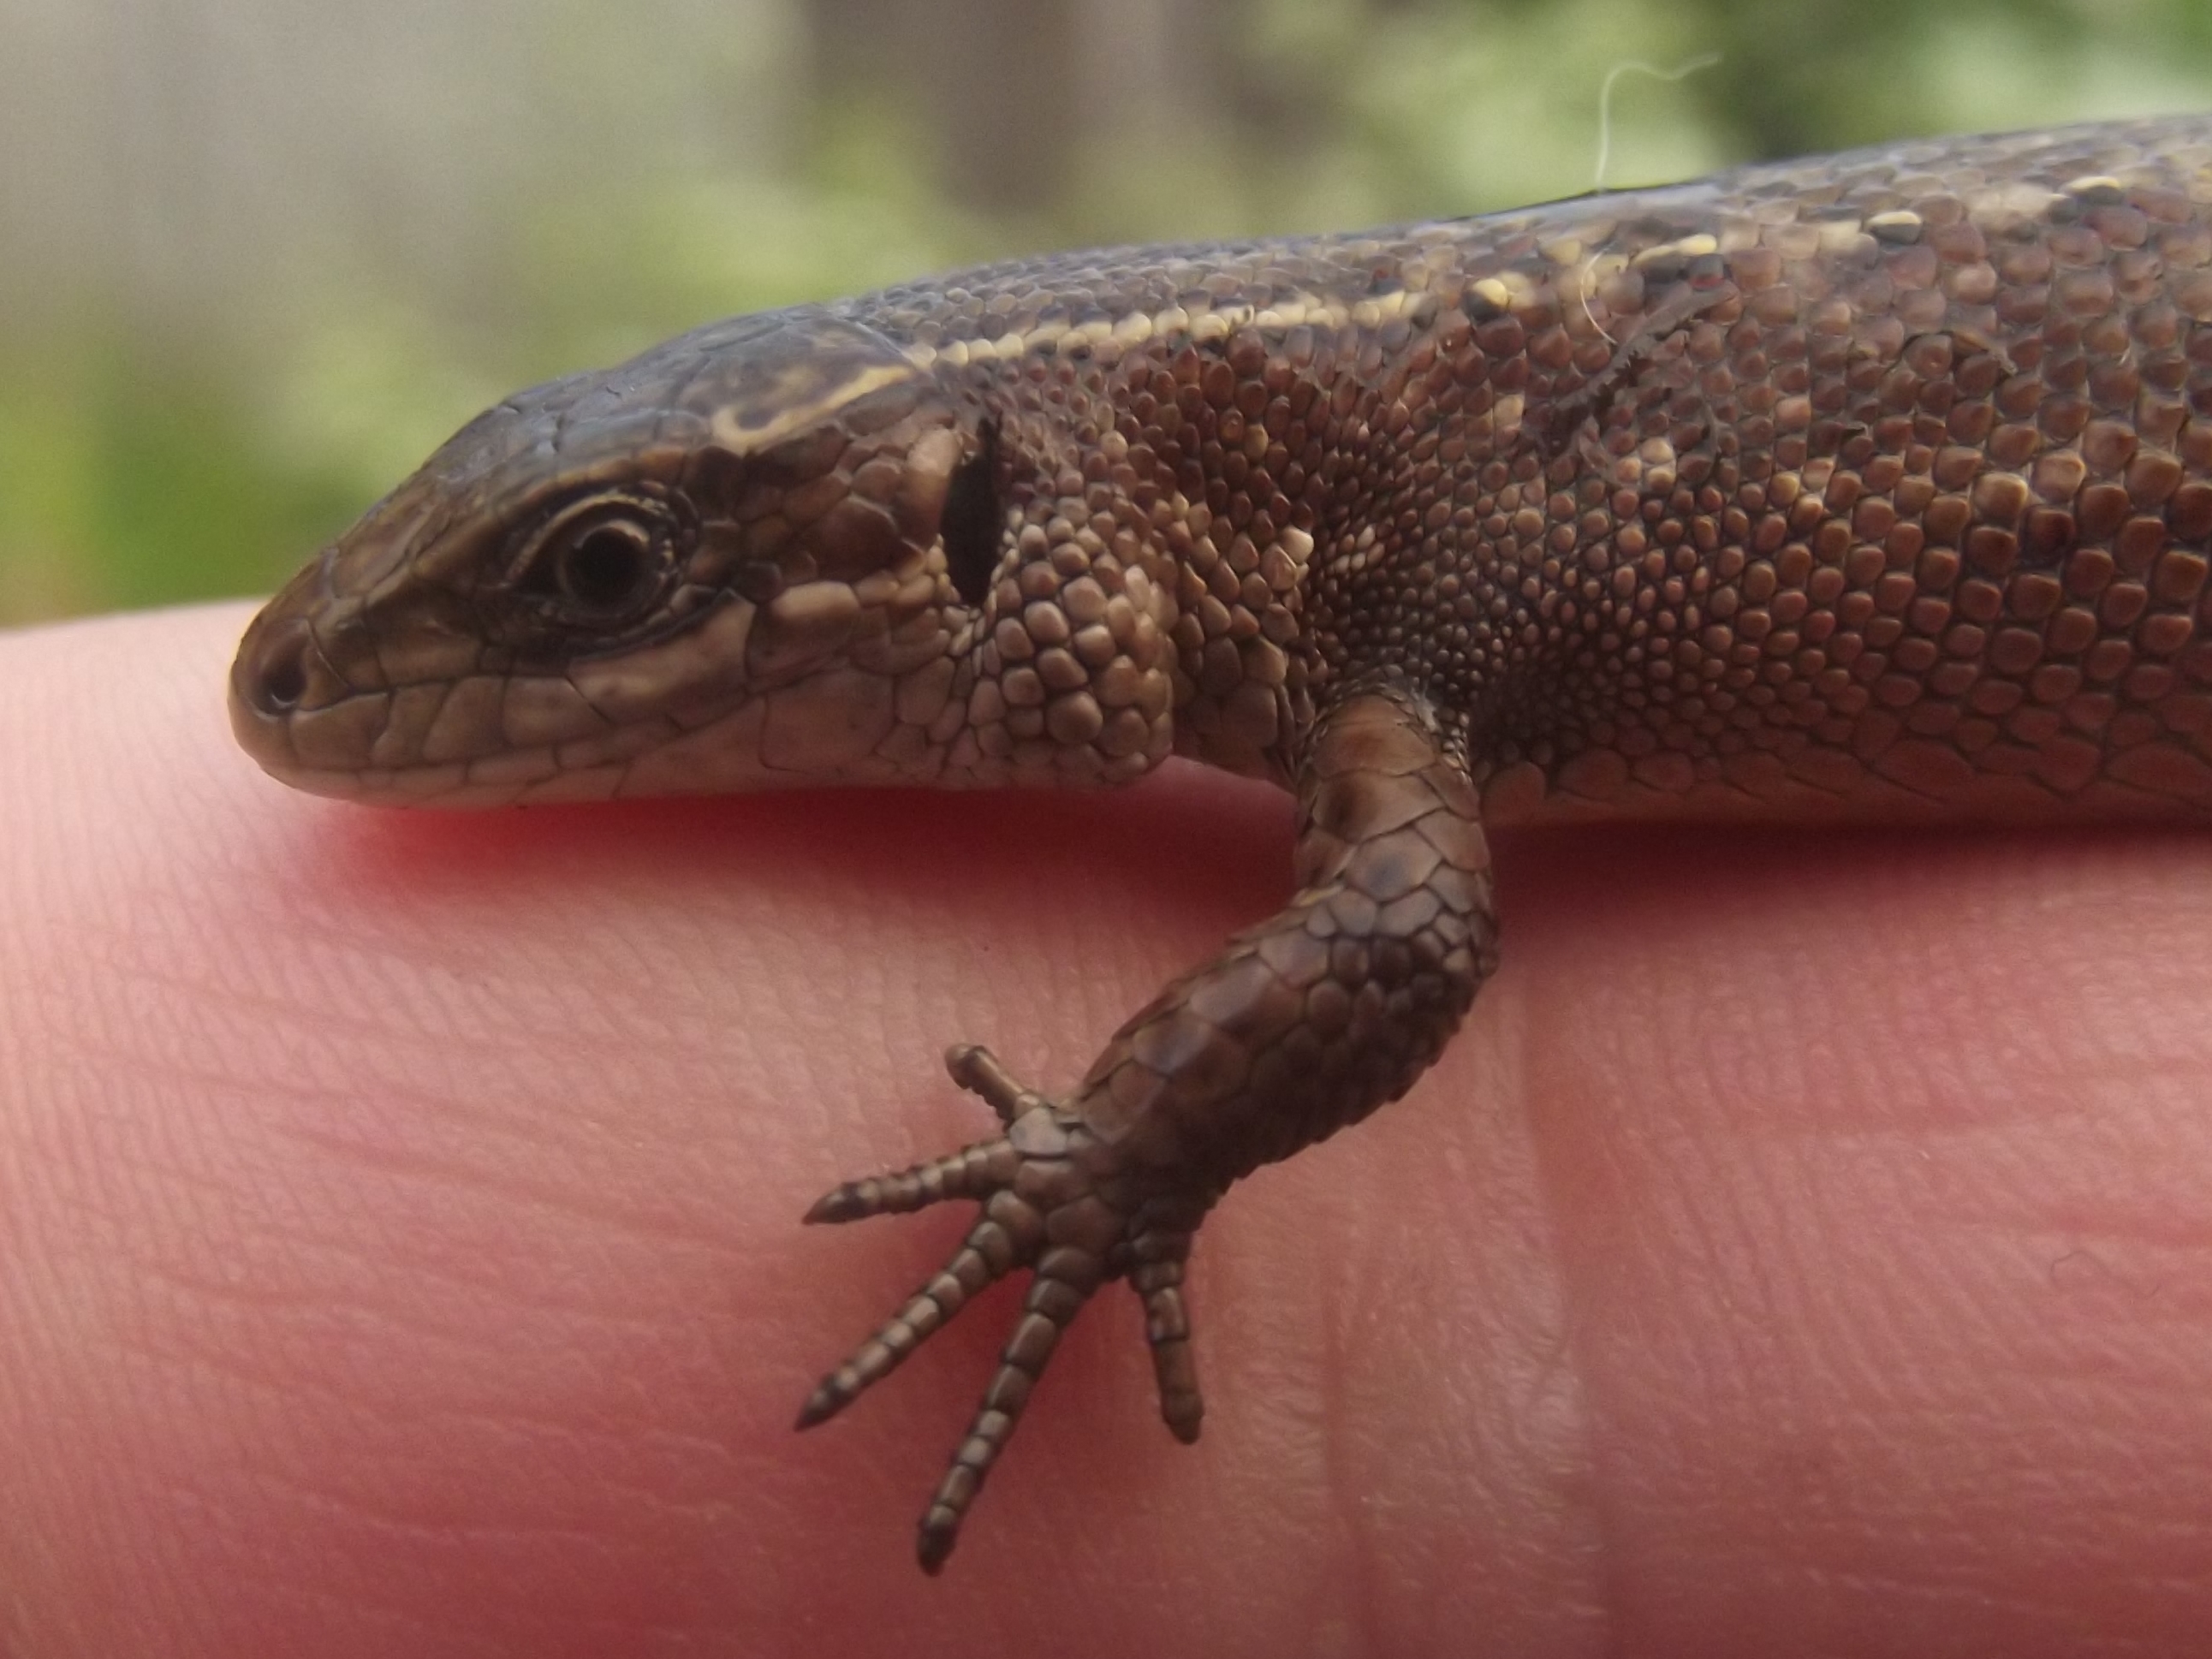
<point x="1059" y="1200"/>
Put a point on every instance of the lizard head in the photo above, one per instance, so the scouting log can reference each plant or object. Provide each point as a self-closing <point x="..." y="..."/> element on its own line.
<point x="775" y="550"/>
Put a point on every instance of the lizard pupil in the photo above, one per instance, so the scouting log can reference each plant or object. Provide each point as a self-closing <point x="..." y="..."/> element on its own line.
<point x="604" y="568"/>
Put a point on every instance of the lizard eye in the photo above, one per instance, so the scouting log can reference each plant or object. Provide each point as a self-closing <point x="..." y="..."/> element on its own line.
<point x="600" y="562"/>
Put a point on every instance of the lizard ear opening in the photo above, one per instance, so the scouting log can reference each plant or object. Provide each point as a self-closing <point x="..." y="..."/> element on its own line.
<point x="973" y="525"/>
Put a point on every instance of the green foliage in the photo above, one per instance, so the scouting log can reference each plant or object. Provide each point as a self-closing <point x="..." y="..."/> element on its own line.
<point x="148" y="457"/>
<point x="128" y="480"/>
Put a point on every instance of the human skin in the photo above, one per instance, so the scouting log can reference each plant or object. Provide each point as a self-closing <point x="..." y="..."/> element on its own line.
<point x="1806" y="1247"/>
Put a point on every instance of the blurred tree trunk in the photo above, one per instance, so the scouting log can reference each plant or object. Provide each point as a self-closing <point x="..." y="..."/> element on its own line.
<point x="1015" y="92"/>
<point x="993" y="80"/>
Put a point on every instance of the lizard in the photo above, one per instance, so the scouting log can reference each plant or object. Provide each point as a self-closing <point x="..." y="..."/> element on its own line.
<point x="1866" y="487"/>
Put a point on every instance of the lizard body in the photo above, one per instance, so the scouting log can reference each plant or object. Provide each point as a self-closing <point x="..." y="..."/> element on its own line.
<point x="1870" y="486"/>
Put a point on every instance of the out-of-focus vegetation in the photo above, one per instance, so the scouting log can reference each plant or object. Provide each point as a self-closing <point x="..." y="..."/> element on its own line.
<point x="258" y="256"/>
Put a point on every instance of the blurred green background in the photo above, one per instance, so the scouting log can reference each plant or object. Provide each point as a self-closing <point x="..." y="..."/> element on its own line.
<point x="257" y="257"/>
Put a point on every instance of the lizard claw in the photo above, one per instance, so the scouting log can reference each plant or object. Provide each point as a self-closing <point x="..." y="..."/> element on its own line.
<point x="1056" y="1201"/>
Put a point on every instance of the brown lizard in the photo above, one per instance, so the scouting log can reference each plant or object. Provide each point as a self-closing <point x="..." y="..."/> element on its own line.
<point x="1874" y="486"/>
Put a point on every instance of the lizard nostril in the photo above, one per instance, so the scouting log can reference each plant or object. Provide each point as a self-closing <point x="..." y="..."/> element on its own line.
<point x="284" y="677"/>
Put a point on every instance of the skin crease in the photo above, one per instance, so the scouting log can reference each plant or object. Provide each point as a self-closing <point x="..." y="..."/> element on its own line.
<point x="1804" y="1248"/>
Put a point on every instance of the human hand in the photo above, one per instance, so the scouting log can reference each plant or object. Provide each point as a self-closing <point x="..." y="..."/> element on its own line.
<point x="1804" y="1249"/>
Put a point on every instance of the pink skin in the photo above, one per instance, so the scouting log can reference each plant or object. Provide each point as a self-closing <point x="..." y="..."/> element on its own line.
<point x="1810" y="1237"/>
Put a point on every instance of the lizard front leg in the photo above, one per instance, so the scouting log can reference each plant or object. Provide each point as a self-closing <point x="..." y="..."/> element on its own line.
<point x="1301" y="1025"/>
